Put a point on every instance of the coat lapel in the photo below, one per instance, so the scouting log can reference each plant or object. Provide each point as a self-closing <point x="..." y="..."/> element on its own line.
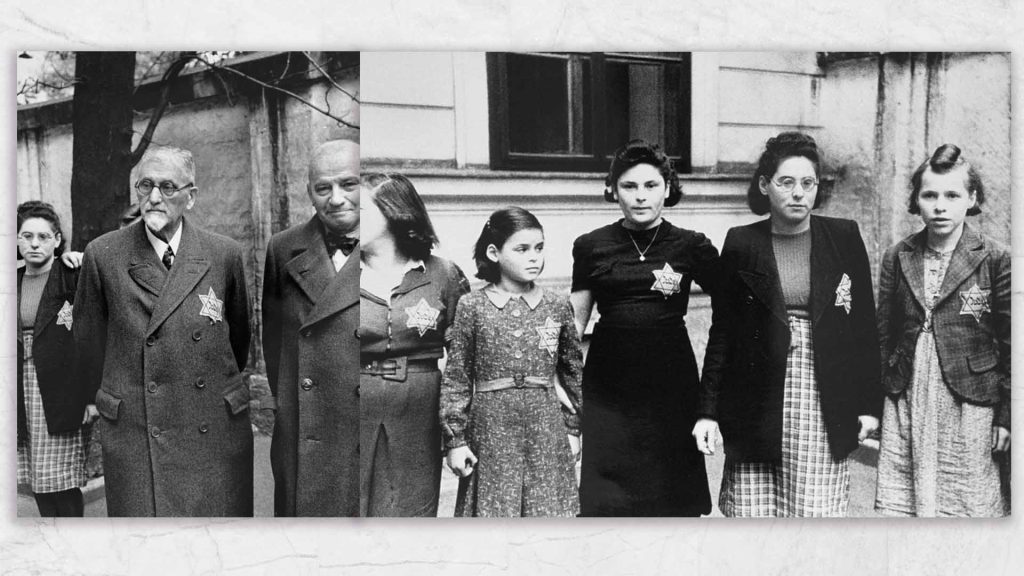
<point x="143" y="266"/>
<point x="311" y="269"/>
<point x="190" y="265"/>
<point x="49" y="303"/>
<point x="342" y="291"/>
<point x="912" y="266"/>
<point x="763" y="276"/>
<point x="825" y="269"/>
<point x="968" y="255"/>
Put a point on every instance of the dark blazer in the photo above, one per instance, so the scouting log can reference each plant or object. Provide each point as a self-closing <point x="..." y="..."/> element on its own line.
<point x="163" y="351"/>
<point x="973" y="349"/>
<point x="310" y="320"/>
<point x="53" y="354"/>
<point x="745" y="364"/>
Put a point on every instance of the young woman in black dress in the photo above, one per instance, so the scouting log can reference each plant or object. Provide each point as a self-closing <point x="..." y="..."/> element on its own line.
<point x="640" y="378"/>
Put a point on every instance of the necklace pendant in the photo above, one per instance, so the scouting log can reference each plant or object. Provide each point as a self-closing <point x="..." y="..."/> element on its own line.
<point x="642" y="258"/>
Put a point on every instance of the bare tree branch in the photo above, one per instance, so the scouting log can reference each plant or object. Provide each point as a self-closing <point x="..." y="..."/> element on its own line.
<point x="328" y="76"/>
<point x="165" y="97"/>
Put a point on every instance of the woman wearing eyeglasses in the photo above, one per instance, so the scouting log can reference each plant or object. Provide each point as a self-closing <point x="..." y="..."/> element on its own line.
<point x="51" y="408"/>
<point x="791" y="369"/>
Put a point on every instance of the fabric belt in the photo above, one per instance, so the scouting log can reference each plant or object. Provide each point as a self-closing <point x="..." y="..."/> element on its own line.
<point x="516" y="381"/>
<point x="396" y="368"/>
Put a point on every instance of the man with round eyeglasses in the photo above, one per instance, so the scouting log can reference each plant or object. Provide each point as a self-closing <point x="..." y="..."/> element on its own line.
<point x="162" y="326"/>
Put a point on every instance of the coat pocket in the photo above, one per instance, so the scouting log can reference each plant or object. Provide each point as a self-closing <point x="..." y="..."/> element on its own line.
<point x="982" y="362"/>
<point x="108" y="405"/>
<point x="237" y="398"/>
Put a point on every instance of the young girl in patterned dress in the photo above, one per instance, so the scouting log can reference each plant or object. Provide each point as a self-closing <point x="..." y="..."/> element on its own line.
<point x="511" y="397"/>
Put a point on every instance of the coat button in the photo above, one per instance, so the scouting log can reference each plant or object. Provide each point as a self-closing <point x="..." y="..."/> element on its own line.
<point x="154" y="432"/>
<point x="516" y="313"/>
<point x="151" y="387"/>
<point x="204" y="428"/>
<point x="307" y="384"/>
<point x="519" y="354"/>
<point x="200" y="383"/>
<point x="757" y="334"/>
<point x="307" y="333"/>
<point x="749" y="299"/>
<point x="517" y="333"/>
<point x="150" y="340"/>
<point x="197" y="335"/>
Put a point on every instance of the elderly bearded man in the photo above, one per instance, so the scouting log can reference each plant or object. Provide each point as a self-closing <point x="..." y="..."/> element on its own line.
<point x="310" y="341"/>
<point x="162" y="330"/>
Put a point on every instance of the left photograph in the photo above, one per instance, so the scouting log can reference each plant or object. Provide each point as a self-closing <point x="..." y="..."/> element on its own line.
<point x="188" y="283"/>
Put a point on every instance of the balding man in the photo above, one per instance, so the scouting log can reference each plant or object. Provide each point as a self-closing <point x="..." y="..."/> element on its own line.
<point x="162" y="334"/>
<point x="310" y="319"/>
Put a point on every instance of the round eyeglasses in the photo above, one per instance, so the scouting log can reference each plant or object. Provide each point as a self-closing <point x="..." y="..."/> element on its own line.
<point x="167" y="189"/>
<point x="789" y="184"/>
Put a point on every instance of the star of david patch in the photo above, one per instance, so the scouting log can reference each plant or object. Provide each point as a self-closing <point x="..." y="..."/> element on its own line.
<point x="666" y="281"/>
<point x="843" y="296"/>
<point x="213" y="307"/>
<point x="422" y="317"/>
<point x="976" y="302"/>
<point x="549" y="332"/>
<point x="64" y="317"/>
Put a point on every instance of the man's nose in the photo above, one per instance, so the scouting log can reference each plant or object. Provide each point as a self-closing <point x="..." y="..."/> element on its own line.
<point x="155" y="197"/>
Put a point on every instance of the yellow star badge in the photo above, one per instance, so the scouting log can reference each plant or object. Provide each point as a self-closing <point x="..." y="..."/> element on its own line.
<point x="976" y="302"/>
<point x="549" y="332"/>
<point x="213" y="307"/>
<point x="422" y="317"/>
<point x="64" y="317"/>
<point x="666" y="281"/>
<point x="843" y="296"/>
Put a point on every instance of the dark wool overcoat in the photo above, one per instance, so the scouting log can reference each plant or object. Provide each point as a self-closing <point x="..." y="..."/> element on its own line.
<point x="53" y="353"/>
<point x="745" y="363"/>
<point x="163" y="352"/>
<point x="310" y="341"/>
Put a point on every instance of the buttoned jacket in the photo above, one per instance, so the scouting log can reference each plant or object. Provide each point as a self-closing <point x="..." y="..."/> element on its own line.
<point x="163" y="351"/>
<point x="743" y="382"/>
<point x="310" y="323"/>
<point x="970" y="319"/>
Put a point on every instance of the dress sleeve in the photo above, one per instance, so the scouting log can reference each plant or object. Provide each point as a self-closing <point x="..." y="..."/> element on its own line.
<point x="459" y="376"/>
<point x="707" y="267"/>
<point x="569" y="369"/>
<point x="581" y="264"/>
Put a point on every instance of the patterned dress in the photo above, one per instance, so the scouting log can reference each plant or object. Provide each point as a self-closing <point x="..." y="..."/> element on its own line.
<point x="935" y="457"/>
<point x="518" y="432"/>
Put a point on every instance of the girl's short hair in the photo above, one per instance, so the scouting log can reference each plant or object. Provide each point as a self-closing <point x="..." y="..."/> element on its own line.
<point x="501" y="225"/>
<point x="403" y="209"/>
<point x="776" y="150"/>
<point x="945" y="159"/>
<point x="39" y="209"/>
<point x="642" y="152"/>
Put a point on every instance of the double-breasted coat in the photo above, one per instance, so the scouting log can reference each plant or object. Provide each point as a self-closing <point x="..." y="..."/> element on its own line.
<point x="970" y="319"/>
<point x="310" y="323"/>
<point x="163" y="352"/>
<point x="743" y="381"/>
<point x="53" y="353"/>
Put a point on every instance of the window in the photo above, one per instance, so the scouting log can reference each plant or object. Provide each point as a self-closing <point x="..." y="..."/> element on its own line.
<point x="569" y="112"/>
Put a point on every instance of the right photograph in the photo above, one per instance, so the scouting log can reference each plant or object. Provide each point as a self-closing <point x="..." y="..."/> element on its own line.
<point x="685" y="284"/>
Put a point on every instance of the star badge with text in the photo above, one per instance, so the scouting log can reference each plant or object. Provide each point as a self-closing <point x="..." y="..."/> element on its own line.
<point x="976" y="302"/>
<point x="549" y="332"/>
<point x="843" y="296"/>
<point x="666" y="281"/>
<point x="422" y="317"/>
<point x="64" y="317"/>
<point x="213" y="307"/>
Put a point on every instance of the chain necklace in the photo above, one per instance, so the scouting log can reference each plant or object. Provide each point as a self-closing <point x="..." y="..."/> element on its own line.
<point x="643" y="252"/>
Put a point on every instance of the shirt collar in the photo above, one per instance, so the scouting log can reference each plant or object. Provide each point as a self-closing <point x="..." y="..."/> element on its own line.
<point x="409" y="266"/>
<point x="159" y="245"/>
<point x="500" y="298"/>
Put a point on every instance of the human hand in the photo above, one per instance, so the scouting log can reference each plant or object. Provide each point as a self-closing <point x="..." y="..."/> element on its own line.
<point x="461" y="460"/>
<point x="705" y="432"/>
<point x="575" y="446"/>
<point x="90" y="415"/>
<point x="563" y="398"/>
<point x="1000" y="439"/>
<point x="868" y="426"/>
<point x="72" y="260"/>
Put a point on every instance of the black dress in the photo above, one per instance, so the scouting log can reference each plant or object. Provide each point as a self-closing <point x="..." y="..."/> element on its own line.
<point x="640" y="379"/>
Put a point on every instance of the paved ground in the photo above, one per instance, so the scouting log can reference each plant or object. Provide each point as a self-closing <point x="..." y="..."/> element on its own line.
<point x="862" y="485"/>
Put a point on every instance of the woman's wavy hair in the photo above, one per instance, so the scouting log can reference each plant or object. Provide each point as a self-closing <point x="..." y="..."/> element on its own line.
<point x="945" y="159"/>
<point x="44" y="210"/>
<point x="642" y="152"/>
<point x="403" y="209"/>
<point x="776" y="150"/>
<point x="501" y="225"/>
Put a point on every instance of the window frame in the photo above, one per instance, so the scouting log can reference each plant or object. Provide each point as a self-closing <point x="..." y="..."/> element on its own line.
<point x="502" y="158"/>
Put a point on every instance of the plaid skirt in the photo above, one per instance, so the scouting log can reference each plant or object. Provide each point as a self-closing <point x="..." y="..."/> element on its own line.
<point x="808" y="481"/>
<point x="46" y="462"/>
